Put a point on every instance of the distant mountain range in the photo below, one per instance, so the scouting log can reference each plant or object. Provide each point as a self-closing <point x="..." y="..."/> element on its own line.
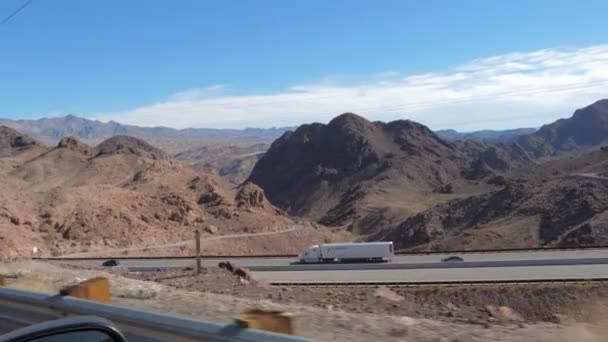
<point x="52" y="130"/>
<point x="492" y="136"/>
<point x="586" y="128"/>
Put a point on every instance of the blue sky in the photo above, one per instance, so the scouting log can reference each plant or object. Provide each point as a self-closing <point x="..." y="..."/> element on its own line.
<point x="461" y="64"/>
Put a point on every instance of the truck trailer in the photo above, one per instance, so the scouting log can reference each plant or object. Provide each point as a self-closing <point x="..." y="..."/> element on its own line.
<point x="348" y="252"/>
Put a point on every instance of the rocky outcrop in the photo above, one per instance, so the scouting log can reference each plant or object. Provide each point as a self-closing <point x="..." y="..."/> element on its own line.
<point x="250" y="195"/>
<point x="327" y="172"/>
<point x="76" y="145"/>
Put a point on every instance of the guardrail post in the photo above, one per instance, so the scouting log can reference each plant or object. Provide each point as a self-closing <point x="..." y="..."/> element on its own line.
<point x="1" y="280"/>
<point x="197" y="238"/>
<point x="275" y="321"/>
<point x="96" y="289"/>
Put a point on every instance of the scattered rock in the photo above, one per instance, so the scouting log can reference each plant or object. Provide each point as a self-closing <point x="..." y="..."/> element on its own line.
<point x="388" y="294"/>
<point x="446" y="189"/>
<point x="15" y="220"/>
<point x="211" y="229"/>
<point x="211" y="198"/>
<point x="75" y="145"/>
<point x="250" y="195"/>
<point x="139" y="291"/>
<point x="226" y="265"/>
<point x="243" y="275"/>
<point x="503" y="313"/>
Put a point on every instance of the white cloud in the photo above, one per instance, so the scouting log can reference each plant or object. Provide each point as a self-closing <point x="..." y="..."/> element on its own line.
<point x="199" y="94"/>
<point x="505" y="91"/>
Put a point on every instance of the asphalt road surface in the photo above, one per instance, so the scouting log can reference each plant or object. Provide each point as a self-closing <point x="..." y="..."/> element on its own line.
<point x="438" y="275"/>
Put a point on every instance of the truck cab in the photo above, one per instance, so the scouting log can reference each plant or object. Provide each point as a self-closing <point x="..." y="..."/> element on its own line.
<point x="311" y="255"/>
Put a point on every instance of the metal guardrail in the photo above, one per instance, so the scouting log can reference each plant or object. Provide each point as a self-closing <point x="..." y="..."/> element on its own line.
<point x="20" y="308"/>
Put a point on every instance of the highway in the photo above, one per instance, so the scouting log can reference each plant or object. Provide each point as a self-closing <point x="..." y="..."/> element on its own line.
<point x="400" y="259"/>
<point x="500" y="266"/>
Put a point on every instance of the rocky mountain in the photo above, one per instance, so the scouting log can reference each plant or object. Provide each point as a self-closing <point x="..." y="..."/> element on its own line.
<point x="50" y="130"/>
<point x="353" y="171"/>
<point x="487" y="136"/>
<point x="399" y="181"/>
<point x="586" y="129"/>
<point x="121" y="193"/>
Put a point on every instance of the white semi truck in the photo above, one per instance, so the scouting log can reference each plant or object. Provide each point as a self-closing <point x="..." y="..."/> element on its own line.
<point x="348" y="252"/>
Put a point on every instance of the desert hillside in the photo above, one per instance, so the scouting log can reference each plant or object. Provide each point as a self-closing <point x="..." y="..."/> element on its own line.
<point x="564" y="209"/>
<point x="51" y="130"/>
<point x="123" y="192"/>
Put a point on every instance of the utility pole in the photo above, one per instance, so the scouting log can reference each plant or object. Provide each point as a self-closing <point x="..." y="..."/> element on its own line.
<point x="197" y="238"/>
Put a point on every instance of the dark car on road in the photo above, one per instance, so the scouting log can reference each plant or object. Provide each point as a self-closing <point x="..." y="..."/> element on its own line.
<point x="452" y="259"/>
<point x="111" y="262"/>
